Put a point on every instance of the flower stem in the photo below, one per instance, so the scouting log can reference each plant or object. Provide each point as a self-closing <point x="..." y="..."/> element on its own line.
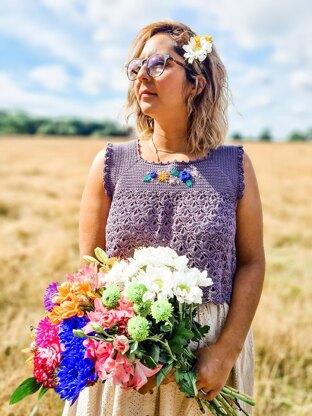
<point x="99" y="338"/>
<point x="226" y="404"/>
<point x="165" y="343"/>
<point x="219" y="406"/>
<point x="180" y="311"/>
<point x="237" y="395"/>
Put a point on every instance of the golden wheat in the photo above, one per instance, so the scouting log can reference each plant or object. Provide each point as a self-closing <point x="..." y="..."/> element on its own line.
<point x="42" y="182"/>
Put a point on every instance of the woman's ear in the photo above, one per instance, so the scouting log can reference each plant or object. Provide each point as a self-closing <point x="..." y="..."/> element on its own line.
<point x="199" y="85"/>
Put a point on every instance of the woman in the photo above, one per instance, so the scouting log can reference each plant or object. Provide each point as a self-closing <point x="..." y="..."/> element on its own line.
<point x="176" y="185"/>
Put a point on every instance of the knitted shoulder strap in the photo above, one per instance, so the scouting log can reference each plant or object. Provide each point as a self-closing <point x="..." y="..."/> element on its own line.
<point x="230" y="160"/>
<point x="118" y="157"/>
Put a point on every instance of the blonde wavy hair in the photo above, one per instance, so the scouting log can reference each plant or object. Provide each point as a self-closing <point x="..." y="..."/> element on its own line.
<point x="207" y="112"/>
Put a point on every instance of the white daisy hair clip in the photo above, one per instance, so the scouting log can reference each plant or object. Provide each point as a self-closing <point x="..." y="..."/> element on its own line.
<point x="198" y="48"/>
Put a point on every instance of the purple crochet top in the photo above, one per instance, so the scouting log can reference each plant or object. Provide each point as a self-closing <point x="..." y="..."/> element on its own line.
<point x="188" y="206"/>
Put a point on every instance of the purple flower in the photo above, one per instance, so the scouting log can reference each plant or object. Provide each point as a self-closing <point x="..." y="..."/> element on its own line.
<point x="185" y="175"/>
<point x="51" y="291"/>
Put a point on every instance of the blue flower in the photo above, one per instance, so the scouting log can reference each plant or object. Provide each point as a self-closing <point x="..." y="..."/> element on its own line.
<point x="51" y="291"/>
<point x="75" y="371"/>
<point x="153" y="175"/>
<point x="185" y="175"/>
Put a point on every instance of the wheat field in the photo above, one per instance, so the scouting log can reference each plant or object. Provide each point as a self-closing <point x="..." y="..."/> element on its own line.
<point x="41" y="185"/>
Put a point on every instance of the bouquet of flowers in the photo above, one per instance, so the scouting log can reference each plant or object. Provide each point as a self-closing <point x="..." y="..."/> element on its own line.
<point x="125" y="320"/>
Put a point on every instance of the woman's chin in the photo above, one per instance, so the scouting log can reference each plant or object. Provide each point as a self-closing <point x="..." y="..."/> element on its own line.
<point x="148" y="110"/>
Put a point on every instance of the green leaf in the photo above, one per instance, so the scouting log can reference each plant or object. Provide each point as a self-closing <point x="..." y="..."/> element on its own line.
<point x="165" y="328"/>
<point x="155" y="352"/>
<point x="28" y="386"/>
<point x="42" y="392"/>
<point x="149" y="361"/>
<point x="181" y="335"/>
<point x="163" y="372"/>
<point x="187" y="382"/>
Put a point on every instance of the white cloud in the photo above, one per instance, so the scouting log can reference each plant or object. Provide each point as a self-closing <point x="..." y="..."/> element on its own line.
<point x="51" y="77"/>
<point x="15" y="97"/>
<point x="89" y="40"/>
<point x="301" y="80"/>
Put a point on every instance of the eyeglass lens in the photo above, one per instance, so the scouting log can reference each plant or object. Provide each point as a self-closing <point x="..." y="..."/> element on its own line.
<point x="155" y="66"/>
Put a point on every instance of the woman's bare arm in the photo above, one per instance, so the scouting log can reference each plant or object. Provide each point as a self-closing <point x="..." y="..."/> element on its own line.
<point x="216" y="361"/>
<point x="94" y="209"/>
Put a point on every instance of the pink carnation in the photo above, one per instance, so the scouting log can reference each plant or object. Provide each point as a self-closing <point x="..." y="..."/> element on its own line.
<point x="47" y="353"/>
<point x="46" y="334"/>
<point x="46" y="362"/>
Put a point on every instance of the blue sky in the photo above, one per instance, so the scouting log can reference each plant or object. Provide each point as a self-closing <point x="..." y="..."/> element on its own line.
<point x="66" y="57"/>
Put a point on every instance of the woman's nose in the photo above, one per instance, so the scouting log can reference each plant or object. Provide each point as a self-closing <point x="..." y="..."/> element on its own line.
<point x="143" y="72"/>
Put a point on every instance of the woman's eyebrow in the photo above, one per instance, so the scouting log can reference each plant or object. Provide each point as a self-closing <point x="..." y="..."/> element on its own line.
<point x="151" y="53"/>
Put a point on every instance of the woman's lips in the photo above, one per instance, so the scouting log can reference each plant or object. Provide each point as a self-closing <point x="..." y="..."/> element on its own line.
<point x="147" y="93"/>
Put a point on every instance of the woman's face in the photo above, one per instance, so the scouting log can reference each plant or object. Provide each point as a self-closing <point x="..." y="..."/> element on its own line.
<point x="170" y="88"/>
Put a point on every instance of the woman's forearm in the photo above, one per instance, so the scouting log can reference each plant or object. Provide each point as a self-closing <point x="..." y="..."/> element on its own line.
<point x="246" y="293"/>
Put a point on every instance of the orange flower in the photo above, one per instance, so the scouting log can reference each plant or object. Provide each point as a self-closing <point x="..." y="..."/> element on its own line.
<point x="72" y="295"/>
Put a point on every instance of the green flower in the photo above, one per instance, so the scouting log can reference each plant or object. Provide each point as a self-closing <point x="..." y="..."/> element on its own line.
<point x="138" y="328"/>
<point x="135" y="292"/>
<point x="143" y="308"/>
<point x="161" y="310"/>
<point x="111" y="297"/>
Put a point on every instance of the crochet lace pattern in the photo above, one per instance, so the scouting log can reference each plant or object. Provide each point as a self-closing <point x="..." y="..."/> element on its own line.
<point x="197" y="221"/>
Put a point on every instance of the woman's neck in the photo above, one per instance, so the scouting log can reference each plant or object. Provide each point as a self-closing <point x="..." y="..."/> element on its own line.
<point x="173" y="140"/>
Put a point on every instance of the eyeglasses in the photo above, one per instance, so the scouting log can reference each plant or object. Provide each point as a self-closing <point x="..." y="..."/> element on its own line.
<point x="155" y="65"/>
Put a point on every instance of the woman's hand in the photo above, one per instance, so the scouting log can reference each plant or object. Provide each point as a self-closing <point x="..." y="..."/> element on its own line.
<point x="213" y="367"/>
<point x="151" y="383"/>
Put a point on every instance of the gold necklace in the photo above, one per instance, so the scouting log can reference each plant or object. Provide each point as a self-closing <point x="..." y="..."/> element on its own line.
<point x="164" y="151"/>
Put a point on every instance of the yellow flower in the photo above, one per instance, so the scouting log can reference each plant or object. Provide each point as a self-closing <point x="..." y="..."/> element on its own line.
<point x="109" y="264"/>
<point x="197" y="40"/>
<point x="163" y="176"/>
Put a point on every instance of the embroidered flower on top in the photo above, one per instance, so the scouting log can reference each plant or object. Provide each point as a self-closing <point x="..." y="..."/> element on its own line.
<point x="174" y="177"/>
<point x="198" y="48"/>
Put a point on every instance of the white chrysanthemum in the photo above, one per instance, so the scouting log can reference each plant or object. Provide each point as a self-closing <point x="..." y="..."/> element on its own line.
<point x="186" y="285"/>
<point x="159" y="282"/>
<point x="189" y="295"/>
<point x="121" y="273"/>
<point x="158" y="257"/>
<point x="198" y="48"/>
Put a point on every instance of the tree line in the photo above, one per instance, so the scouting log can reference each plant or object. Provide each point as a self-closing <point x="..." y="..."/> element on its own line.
<point x="19" y="122"/>
<point x="266" y="136"/>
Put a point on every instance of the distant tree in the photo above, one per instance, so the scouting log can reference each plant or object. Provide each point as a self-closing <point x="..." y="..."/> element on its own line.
<point x="309" y="134"/>
<point x="265" y="136"/>
<point x="237" y="136"/>
<point x="297" y="136"/>
<point x="18" y="122"/>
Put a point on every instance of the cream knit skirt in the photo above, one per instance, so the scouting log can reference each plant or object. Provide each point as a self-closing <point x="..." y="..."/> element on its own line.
<point x="167" y="400"/>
